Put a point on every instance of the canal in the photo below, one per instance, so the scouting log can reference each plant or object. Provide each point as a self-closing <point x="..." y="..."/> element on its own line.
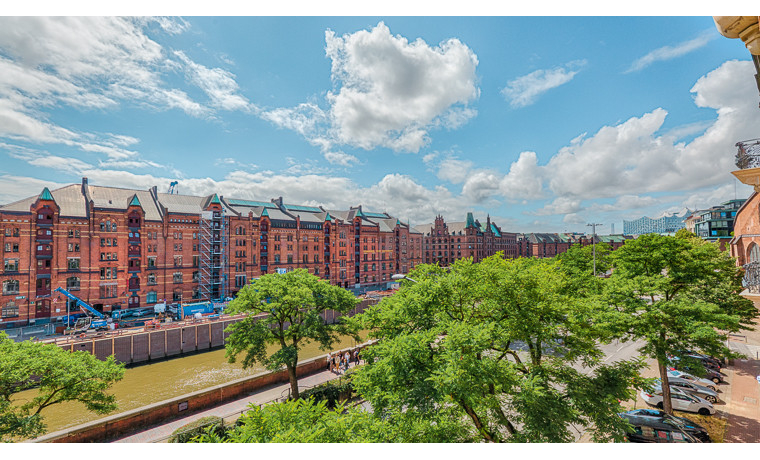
<point x="151" y="383"/>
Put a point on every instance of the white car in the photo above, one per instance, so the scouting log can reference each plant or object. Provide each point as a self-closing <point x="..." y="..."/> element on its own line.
<point x="693" y="379"/>
<point x="680" y="400"/>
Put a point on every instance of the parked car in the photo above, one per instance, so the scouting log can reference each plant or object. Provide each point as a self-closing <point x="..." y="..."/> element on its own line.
<point x="693" y="389"/>
<point x="710" y="374"/>
<point x="680" y="400"/>
<point x="706" y="361"/>
<point x="691" y="378"/>
<point x="658" y="420"/>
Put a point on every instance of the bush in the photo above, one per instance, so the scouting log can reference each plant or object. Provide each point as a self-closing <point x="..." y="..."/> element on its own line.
<point x="331" y="392"/>
<point x="187" y="432"/>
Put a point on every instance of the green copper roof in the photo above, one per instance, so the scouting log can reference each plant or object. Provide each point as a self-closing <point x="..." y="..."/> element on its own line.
<point x="215" y="200"/>
<point x="375" y="214"/>
<point x="495" y="230"/>
<point x="470" y="220"/>
<point x="359" y="213"/>
<point x="264" y="213"/>
<point x="328" y="218"/>
<point x="292" y="207"/>
<point x="46" y="195"/>
<point x="135" y="201"/>
<point x="398" y="222"/>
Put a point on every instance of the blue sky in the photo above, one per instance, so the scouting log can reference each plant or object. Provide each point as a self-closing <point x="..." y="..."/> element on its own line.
<point x="545" y="123"/>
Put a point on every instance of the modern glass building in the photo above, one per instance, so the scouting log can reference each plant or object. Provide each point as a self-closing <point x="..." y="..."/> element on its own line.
<point x="666" y="224"/>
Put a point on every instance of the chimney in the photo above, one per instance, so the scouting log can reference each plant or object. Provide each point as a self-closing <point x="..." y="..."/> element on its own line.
<point x="84" y="185"/>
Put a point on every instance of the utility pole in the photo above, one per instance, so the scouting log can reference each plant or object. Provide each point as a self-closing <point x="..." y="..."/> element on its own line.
<point x="593" y="242"/>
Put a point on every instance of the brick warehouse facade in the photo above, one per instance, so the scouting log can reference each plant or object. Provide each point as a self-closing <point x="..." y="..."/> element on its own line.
<point x="445" y="243"/>
<point x="119" y="248"/>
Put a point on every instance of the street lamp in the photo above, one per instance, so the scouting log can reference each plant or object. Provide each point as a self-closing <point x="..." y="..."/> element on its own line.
<point x="748" y="29"/>
<point x="593" y="242"/>
<point x="399" y="276"/>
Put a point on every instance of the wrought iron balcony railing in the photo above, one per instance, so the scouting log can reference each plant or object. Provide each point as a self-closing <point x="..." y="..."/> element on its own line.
<point x="751" y="279"/>
<point x="748" y="155"/>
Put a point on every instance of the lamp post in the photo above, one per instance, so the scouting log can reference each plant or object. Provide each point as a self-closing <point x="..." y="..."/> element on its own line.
<point x="593" y="242"/>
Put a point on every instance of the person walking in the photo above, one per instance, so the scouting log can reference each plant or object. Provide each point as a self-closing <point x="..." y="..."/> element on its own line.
<point x="330" y="362"/>
<point x="356" y="356"/>
<point x="347" y="358"/>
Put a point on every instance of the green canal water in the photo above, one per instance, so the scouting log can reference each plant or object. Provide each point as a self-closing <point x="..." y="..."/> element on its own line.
<point x="151" y="383"/>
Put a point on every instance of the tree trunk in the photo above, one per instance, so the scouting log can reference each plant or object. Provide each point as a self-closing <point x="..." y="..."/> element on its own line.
<point x="293" y="381"/>
<point x="667" y="405"/>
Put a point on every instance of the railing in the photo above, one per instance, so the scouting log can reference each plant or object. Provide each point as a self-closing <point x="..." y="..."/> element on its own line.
<point x="748" y="155"/>
<point x="751" y="279"/>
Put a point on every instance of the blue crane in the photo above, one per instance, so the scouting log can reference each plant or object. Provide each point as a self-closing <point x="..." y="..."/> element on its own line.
<point x="87" y="322"/>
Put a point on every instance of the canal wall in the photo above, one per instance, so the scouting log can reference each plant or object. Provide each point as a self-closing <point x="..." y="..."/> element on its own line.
<point x="131" y="346"/>
<point x="133" y="421"/>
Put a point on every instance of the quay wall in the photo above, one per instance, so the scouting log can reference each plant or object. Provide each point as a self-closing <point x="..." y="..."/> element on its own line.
<point x="131" y="346"/>
<point x="130" y="422"/>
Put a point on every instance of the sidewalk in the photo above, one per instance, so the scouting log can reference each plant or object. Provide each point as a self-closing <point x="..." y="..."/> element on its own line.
<point x="743" y="408"/>
<point x="230" y="410"/>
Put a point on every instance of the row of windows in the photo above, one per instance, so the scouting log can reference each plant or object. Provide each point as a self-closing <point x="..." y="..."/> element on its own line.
<point x="11" y="231"/>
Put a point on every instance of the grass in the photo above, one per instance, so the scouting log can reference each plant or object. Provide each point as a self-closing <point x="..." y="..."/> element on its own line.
<point x="714" y="424"/>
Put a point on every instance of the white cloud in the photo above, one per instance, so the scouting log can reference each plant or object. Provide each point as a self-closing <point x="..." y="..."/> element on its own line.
<point x="561" y="205"/>
<point x="524" y="180"/>
<point x="388" y="92"/>
<point x="667" y="53"/>
<point x="218" y="84"/>
<point x="453" y="169"/>
<point x="340" y="158"/>
<point x="523" y="91"/>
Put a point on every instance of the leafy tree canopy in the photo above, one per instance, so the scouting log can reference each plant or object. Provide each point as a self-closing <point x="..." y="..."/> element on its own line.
<point x="286" y="310"/>
<point x="501" y="344"/>
<point x="59" y="376"/>
<point x="679" y="294"/>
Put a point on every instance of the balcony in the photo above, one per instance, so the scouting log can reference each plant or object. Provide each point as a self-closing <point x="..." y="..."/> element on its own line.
<point x="133" y="251"/>
<point x="748" y="162"/>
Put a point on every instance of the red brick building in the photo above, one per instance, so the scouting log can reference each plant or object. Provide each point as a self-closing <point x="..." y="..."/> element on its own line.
<point x="445" y="243"/>
<point x="543" y="245"/>
<point x="119" y="248"/>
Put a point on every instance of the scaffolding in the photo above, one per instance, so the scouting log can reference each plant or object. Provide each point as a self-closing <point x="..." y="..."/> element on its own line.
<point x="213" y="256"/>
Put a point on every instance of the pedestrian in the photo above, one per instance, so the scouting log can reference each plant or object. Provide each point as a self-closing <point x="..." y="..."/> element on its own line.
<point x="356" y="356"/>
<point x="347" y="358"/>
<point x="329" y="362"/>
<point x="336" y="364"/>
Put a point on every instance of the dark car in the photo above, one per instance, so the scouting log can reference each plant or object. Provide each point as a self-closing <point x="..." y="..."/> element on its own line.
<point x="651" y="425"/>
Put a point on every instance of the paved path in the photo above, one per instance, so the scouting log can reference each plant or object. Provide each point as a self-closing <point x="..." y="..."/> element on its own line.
<point x="743" y="404"/>
<point x="230" y="411"/>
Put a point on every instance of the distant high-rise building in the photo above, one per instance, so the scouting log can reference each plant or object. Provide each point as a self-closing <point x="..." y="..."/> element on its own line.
<point x="667" y="223"/>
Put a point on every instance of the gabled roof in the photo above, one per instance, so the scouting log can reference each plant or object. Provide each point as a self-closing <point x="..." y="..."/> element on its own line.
<point x="135" y="201"/>
<point x="215" y="199"/>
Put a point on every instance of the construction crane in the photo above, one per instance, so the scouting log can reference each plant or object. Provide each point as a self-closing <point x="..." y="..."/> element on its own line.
<point x="87" y="322"/>
<point x="172" y="190"/>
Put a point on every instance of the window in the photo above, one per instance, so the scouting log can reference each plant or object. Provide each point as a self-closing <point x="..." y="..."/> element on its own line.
<point x="10" y="310"/>
<point x="239" y="281"/>
<point x="11" y="265"/>
<point x="10" y="287"/>
<point x="72" y="283"/>
<point x="151" y="262"/>
<point x="108" y="291"/>
<point x="177" y="295"/>
<point x="196" y="277"/>
<point x="152" y="297"/>
<point x="151" y="280"/>
<point x="305" y="258"/>
<point x="290" y="258"/>
<point x="196" y="261"/>
<point x="177" y="277"/>
<point x="73" y="264"/>
<point x="177" y="261"/>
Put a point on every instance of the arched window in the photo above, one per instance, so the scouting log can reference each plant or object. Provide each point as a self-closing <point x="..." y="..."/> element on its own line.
<point x="754" y="253"/>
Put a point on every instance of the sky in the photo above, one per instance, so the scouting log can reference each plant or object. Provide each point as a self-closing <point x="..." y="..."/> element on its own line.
<point x="544" y="123"/>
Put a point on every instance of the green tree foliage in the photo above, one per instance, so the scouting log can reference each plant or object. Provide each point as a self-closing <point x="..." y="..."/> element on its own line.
<point x="285" y="310"/>
<point x="678" y="294"/>
<point x="59" y="375"/>
<point x="307" y="421"/>
<point x="578" y="263"/>
<point x="501" y="345"/>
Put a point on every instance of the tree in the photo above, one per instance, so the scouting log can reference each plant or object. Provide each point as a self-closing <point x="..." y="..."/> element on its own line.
<point x="306" y="421"/>
<point x="679" y="294"/>
<point x="285" y="310"/>
<point x="59" y="376"/>
<point x="578" y="264"/>
<point x="499" y="344"/>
